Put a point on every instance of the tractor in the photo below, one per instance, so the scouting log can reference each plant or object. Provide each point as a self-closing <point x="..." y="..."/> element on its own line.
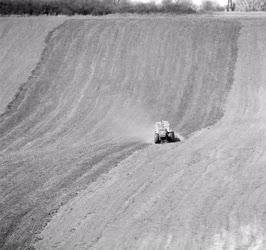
<point x="163" y="133"/>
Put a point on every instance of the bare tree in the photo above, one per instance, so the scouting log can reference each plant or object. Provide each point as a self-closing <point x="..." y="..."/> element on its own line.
<point x="251" y="5"/>
<point x="116" y="2"/>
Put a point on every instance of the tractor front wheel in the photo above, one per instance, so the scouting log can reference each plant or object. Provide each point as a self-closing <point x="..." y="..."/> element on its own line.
<point x="156" y="138"/>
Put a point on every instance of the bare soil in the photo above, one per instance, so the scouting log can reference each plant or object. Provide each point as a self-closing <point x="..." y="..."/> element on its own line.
<point x="75" y="142"/>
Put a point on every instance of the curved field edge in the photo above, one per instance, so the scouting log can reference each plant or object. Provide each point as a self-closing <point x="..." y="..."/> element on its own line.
<point x="68" y="128"/>
<point x="22" y="90"/>
<point x="21" y="43"/>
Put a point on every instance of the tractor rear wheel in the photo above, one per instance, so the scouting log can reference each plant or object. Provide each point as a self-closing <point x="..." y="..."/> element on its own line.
<point x="156" y="138"/>
<point x="171" y="136"/>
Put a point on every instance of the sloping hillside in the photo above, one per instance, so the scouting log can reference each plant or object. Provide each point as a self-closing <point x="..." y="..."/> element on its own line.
<point x="91" y="102"/>
<point x="207" y="193"/>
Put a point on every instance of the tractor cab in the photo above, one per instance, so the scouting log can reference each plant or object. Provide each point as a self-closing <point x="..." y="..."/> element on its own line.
<point x="162" y="128"/>
<point x="163" y="132"/>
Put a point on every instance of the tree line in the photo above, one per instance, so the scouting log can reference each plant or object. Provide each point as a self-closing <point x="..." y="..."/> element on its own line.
<point x="91" y="7"/>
